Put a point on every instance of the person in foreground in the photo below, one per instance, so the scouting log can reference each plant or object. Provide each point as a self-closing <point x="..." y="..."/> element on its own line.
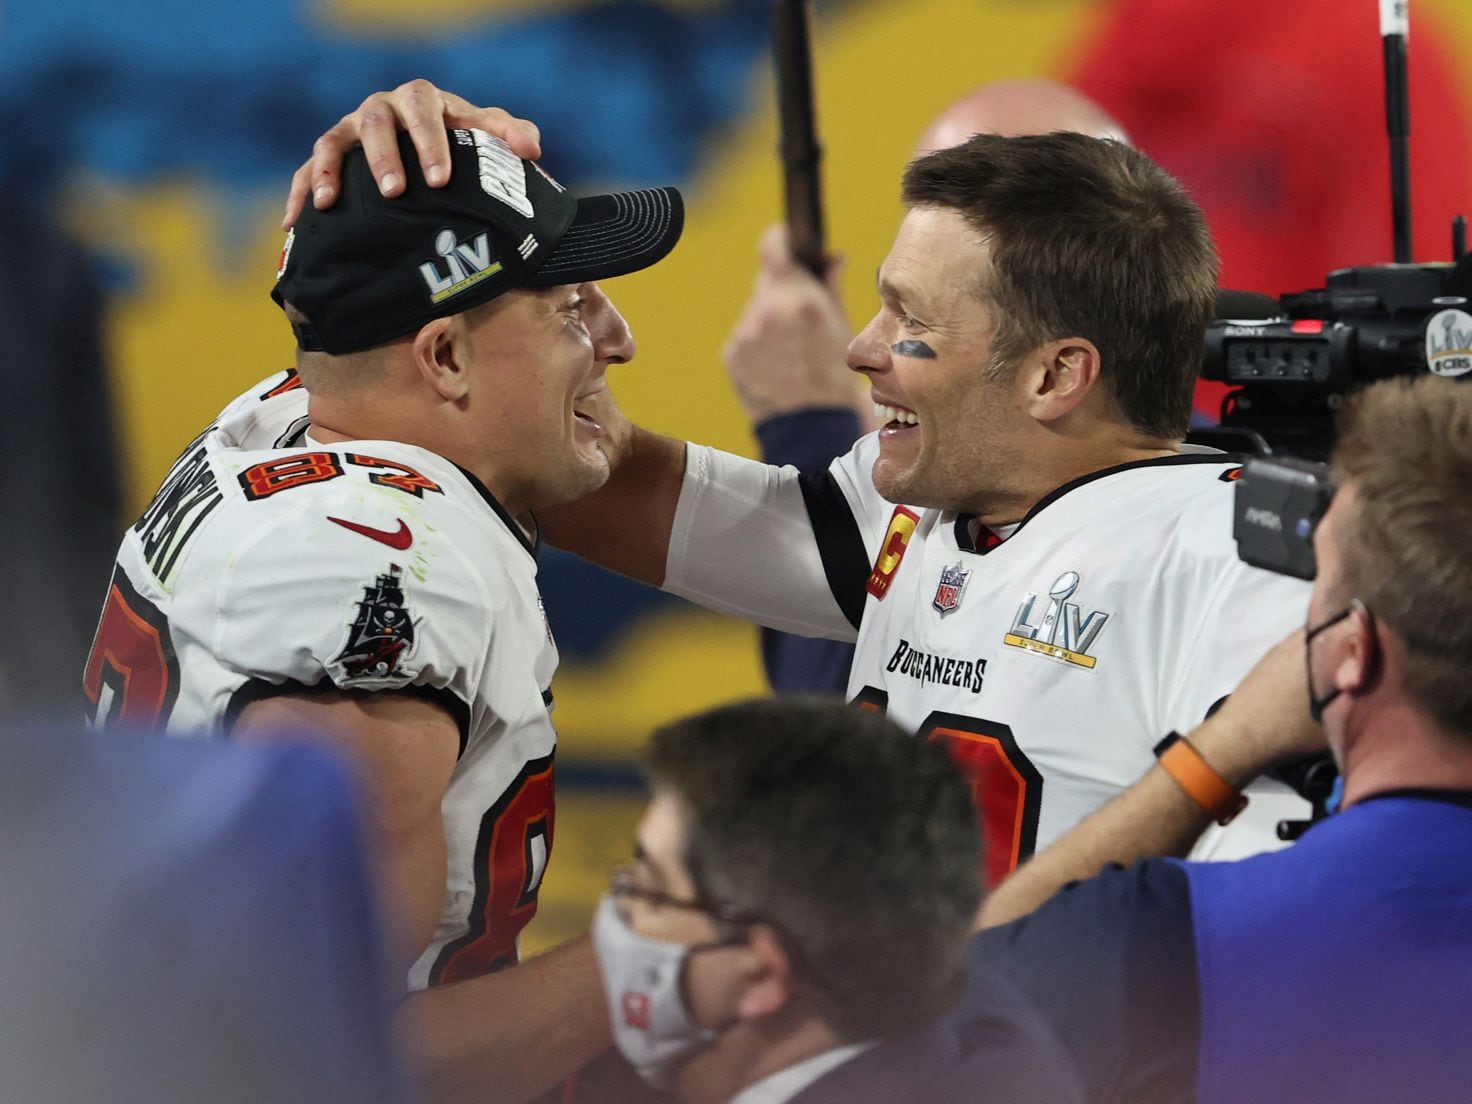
<point x="795" y="918"/>
<point x="188" y="920"/>
<point x="1340" y="969"/>
<point x="351" y="549"/>
<point x="1036" y="570"/>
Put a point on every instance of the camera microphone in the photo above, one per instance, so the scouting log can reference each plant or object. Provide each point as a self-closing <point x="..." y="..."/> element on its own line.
<point x="1244" y="305"/>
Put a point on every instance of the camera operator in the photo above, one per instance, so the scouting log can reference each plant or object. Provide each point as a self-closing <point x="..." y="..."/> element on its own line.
<point x="1339" y="969"/>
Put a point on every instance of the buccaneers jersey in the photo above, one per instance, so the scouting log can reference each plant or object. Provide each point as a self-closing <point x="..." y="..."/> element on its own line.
<point x="268" y="563"/>
<point x="1051" y="661"/>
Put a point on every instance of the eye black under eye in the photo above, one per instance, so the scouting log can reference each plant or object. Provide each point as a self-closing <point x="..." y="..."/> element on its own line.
<point x="911" y="347"/>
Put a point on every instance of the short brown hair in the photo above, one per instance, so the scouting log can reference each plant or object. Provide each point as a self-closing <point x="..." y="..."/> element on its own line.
<point x="1090" y="238"/>
<point x="856" y="841"/>
<point x="325" y="374"/>
<point x="1406" y="545"/>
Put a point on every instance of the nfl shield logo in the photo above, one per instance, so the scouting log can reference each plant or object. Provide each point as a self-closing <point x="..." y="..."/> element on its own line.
<point x="952" y="584"/>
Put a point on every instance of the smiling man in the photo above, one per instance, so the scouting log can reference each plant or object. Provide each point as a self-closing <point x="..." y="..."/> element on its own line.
<point x="1036" y="569"/>
<point x="350" y="548"/>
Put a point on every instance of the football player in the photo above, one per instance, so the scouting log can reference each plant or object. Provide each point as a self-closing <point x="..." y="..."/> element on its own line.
<point x="350" y="548"/>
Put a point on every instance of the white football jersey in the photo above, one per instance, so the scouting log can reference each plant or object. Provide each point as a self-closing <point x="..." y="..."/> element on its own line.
<point x="268" y="563"/>
<point x="1051" y="662"/>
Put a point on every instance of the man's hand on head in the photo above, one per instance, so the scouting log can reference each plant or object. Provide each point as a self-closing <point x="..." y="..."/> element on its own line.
<point x="787" y="350"/>
<point x="424" y="111"/>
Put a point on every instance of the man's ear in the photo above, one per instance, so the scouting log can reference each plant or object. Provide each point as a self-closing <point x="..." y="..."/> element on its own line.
<point x="768" y="977"/>
<point x="437" y="355"/>
<point x="1059" y="376"/>
<point x="1360" y="666"/>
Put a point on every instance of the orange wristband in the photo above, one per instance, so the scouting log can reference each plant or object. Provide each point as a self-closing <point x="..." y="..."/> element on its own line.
<point x="1200" y="780"/>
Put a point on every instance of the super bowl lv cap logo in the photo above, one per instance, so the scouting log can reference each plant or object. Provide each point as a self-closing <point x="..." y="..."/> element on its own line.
<point x="370" y="269"/>
<point x="463" y="264"/>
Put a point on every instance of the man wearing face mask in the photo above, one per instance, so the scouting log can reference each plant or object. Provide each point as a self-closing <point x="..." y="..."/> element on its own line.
<point x="1337" y="970"/>
<point x="795" y="918"/>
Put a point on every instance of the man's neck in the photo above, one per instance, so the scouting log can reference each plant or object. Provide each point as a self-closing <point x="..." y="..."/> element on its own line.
<point x="335" y="422"/>
<point x="331" y="426"/>
<point x="792" y="1081"/>
<point x="1401" y="748"/>
<point x="749" y="1053"/>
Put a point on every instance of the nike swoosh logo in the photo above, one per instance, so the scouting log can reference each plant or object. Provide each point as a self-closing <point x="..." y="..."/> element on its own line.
<point x="399" y="540"/>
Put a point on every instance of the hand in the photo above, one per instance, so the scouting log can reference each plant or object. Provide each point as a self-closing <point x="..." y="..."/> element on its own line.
<point x="424" y="111"/>
<point x="1266" y="719"/>
<point x="787" y="350"/>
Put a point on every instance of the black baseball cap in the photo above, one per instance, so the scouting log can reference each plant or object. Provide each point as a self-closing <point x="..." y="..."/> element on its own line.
<point x="370" y="269"/>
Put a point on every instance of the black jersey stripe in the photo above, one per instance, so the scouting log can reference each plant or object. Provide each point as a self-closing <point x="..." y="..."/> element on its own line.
<point x="258" y="689"/>
<point x="531" y="542"/>
<point x="840" y="544"/>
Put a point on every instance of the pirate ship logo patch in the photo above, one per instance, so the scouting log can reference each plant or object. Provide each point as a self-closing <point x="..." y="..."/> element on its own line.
<point x="381" y="636"/>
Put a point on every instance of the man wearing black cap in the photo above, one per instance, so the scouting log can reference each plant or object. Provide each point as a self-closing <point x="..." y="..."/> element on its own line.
<point x="351" y="548"/>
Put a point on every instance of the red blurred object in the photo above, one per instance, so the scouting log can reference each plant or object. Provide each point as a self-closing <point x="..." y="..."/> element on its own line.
<point x="1273" y="115"/>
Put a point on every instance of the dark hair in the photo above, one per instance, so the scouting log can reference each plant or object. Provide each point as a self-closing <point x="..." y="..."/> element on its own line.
<point x="1089" y="238"/>
<point x="856" y="841"/>
<point x="1406" y="444"/>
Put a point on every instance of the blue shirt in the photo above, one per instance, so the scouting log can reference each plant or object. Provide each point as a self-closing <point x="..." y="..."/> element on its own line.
<point x="1338" y="970"/>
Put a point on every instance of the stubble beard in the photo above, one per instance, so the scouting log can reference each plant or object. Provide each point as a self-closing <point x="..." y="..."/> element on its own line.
<point x="908" y="486"/>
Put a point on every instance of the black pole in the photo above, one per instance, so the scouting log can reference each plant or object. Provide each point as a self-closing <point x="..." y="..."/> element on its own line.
<point x="802" y="156"/>
<point x="1395" y="30"/>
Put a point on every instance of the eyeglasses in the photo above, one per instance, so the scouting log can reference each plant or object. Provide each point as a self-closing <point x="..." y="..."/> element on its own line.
<point x="622" y="887"/>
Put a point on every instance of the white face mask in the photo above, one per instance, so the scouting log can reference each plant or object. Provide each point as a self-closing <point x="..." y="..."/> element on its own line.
<point x="652" y="1028"/>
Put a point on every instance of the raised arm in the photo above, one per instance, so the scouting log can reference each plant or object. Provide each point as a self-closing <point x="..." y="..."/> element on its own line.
<point x="628" y="524"/>
<point x="1265" y="721"/>
<point x="786" y="353"/>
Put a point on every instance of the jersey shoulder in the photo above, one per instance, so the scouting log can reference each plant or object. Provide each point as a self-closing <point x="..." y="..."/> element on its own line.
<point x="1186" y="499"/>
<point x="1192" y="503"/>
<point x="346" y="563"/>
<point x="268" y="415"/>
